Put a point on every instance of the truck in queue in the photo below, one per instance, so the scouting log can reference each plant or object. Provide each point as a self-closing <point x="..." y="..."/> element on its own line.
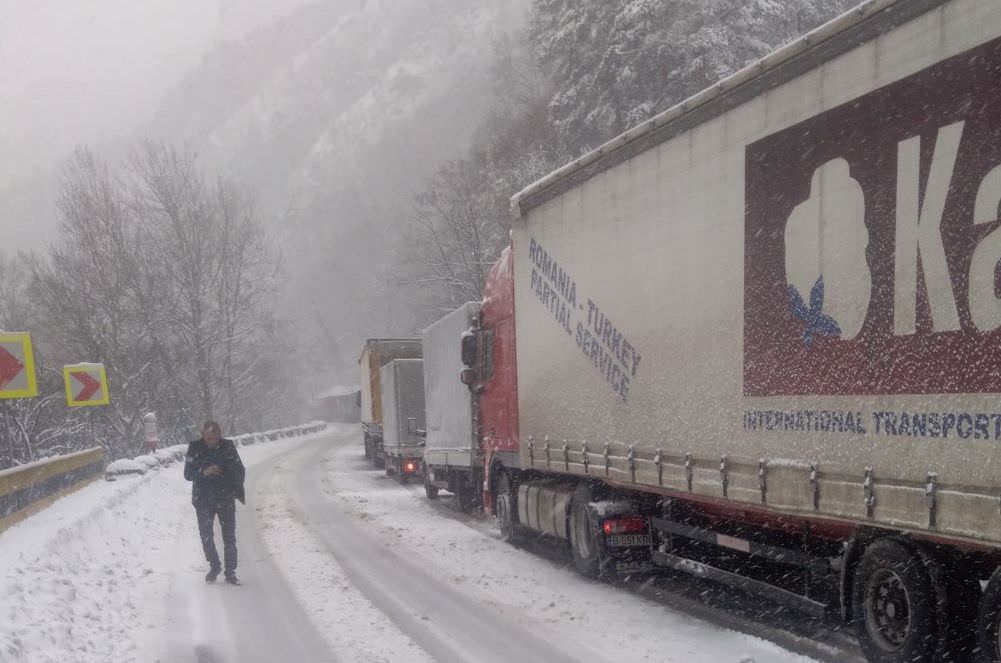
<point x="402" y="386"/>
<point x="376" y="353"/>
<point x="755" y="338"/>
<point x="453" y="459"/>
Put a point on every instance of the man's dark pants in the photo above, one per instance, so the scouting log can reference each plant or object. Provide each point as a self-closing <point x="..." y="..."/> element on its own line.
<point x="226" y="510"/>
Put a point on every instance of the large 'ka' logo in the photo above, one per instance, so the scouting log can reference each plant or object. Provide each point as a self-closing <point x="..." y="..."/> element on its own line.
<point x="873" y="241"/>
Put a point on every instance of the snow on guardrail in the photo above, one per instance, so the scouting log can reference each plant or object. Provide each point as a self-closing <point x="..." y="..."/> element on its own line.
<point x="166" y="456"/>
<point x="27" y="489"/>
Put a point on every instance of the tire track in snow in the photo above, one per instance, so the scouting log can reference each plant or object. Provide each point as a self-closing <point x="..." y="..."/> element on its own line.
<point x="259" y="622"/>
<point x="445" y="623"/>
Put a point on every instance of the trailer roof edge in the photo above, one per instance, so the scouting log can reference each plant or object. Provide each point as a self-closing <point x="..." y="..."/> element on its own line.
<point x="843" y="33"/>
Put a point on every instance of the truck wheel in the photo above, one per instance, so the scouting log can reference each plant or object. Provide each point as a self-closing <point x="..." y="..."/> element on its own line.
<point x="464" y="493"/>
<point x="429" y="489"/>
<point x="894" y="604"/>
<point x="989" y="620"/>
<point x="960" y="601"/>
<point x="583" y="530"/>
<point x="506" y="507"/>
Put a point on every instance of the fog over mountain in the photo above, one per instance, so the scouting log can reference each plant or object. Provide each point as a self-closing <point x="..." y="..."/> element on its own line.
<point x="330" y="113"/>
<point x="93" y="71"/>
<point x="333" y="116"/>
<point x="337" y="117"/>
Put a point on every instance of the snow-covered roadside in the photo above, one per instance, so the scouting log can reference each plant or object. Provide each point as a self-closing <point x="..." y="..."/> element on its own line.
<point x="555" y="604"/>
<point x="84" y="580"/>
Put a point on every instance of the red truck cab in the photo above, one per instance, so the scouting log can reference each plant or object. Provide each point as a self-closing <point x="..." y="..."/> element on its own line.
<point x="497" y="376"/>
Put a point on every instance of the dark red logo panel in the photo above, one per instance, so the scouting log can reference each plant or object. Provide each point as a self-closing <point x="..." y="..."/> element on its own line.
<point x="872" y="241"/>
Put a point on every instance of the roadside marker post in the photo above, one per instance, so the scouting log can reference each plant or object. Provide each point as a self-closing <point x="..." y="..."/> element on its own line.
<point x="17" y="366"/>
<point x="86" y="385"/>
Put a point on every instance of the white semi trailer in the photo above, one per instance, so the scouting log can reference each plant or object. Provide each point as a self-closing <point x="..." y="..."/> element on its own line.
<point x="402" y="385"/>
<point x="767" y="322"/>
<point x="453" y="457"/>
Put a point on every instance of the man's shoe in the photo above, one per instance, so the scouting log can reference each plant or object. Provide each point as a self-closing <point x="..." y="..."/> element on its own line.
<point x="211" y="575"/>
<point x="232" y="579"/>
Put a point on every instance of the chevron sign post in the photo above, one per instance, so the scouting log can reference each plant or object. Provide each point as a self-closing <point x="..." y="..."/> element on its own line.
<point x="86" y="384"/>
<point x="17" y="366"/>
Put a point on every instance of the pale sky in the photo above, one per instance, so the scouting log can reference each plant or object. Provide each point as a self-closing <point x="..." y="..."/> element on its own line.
<point x="72" y="71"/>
<point x="96" y="39"/>
<point x="84" y="71"/>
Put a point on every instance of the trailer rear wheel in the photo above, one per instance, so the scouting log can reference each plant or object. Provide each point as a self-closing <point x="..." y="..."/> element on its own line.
<point x="989" y="620"/>
<point x="430" y="490"/>
<point x="583" y="530"/>
<point x="506" y="507"/>
<point x="894" y="604"/>
<point x="961" y="600"/>
<point x="465" y="494"/>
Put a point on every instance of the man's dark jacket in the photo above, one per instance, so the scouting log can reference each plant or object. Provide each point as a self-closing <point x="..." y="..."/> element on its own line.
<point x="214" y="490"/>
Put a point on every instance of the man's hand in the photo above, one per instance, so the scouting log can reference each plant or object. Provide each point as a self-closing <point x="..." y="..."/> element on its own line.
<point x="211" y="471"/>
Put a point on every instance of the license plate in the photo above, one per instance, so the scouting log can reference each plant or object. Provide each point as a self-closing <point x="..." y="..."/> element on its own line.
<point x="625" y="568"/>
<point x="627" y="540"/>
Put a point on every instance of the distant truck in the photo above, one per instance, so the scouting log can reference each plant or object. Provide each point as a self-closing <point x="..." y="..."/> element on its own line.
<point x="376" y="354"/>
<point x="340" y="406"/>
<point x="756" y="338"/>
<point x="402" y="385"/>
<point x="453" y="459"/>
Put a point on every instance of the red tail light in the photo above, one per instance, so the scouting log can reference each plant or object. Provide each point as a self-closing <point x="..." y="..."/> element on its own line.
<point x="410" y="466"/>
<point x="634" y="525"/>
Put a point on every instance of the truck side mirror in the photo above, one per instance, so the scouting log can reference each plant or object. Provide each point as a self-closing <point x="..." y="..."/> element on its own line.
<point x="470" y="378"/>
<point x="469" y="349"/>
<point x="412" y="425"/>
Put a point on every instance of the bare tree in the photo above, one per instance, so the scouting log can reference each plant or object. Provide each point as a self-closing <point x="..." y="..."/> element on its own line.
<point x="166" y="277"/>
<point x="218" y="273"/>
<point x="458" y="238"/>
<point x="30" y="427"/>
<point x="90" y="291"/>
<point x="174" y="206"/>
<point x="248" y="281"/>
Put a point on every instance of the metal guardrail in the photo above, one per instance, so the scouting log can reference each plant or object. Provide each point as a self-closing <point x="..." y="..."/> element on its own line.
<point x="29" y="488"/>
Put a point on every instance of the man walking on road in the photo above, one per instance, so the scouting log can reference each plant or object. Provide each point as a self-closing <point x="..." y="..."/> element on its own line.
<point x="216" y="472"/>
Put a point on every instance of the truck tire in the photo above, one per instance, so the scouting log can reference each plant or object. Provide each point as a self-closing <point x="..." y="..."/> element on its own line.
<point x="895" y="605"/>
<point x="989" y="620"/>
<point x="960" y="596"/>
<point x="506" y="508"/>
<point x="465" y="493"/>
<point x="585" y="545"/>
<point x="430" y="490"/>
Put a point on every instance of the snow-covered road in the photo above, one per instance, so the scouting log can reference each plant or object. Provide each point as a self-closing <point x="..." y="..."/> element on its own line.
<point x="339" y="563"/>
<point x="259" y="621"/>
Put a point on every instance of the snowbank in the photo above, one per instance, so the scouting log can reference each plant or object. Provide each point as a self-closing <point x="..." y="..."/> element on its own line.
<point x="84" y="579"/>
